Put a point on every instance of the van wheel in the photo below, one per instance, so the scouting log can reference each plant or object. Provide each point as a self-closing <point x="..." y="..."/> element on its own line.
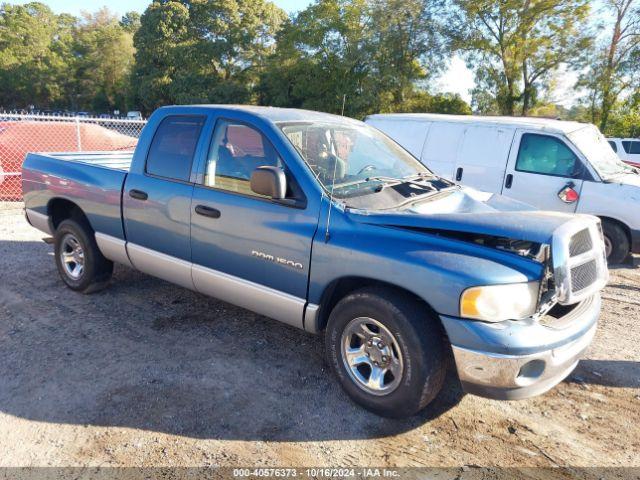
<point x="80" y="263"/>
<point x="616" y="242"/>
<point x="387" y="351"/>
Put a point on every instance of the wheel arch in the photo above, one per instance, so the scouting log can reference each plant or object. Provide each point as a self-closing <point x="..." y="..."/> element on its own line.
<point x="341" y="287"/>
<point x="60" y="209"/>
<point x="624" y="226"/>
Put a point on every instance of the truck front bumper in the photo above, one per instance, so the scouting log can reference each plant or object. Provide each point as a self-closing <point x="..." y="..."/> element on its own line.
<point x="519" y="359"/>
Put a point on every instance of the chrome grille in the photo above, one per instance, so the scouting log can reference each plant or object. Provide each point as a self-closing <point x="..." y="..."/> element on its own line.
<point x="579" y="263"/>
<point x="580" y="243"/>
<point x="583" y="276"/>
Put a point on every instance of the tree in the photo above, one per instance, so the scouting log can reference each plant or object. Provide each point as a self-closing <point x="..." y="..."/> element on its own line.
<point x="616" y="66"/>
<point x="407" y="45"/>
<point x="203" y="50"/>
<point x="354" y="53"/>
<point x="130" y="22"/>
<point x="322" y="58"/>
<point x="515" y="45"/>
<point x="35" y="50"/>
<point x="104" y="60"/>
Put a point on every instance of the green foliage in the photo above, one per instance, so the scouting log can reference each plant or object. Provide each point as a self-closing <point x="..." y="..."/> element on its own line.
<point x="515" y="45"/>
<point x="203" y="50"/>
<point x="59" y="61"/>
<point x="35" y="51"/>
<point x="130" y="22"/>
<point x="356" y="56"/>
<point x="614" y="67"/>
<point x="104" y="59"/>
<point x="354" y="52"/>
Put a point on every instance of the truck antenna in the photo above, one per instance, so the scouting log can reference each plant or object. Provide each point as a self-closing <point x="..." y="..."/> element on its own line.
<point x="344" y="100"/>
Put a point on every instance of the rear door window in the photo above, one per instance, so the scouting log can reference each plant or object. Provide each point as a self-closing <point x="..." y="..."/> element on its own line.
<point x="546" y="155"/>
<point x="173" y="146"/>
<point x="613" y="146"/>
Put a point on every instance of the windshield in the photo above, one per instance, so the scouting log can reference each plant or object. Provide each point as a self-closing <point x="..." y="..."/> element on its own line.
<point x="359" y="157"/>
<point x="599" y="153"/>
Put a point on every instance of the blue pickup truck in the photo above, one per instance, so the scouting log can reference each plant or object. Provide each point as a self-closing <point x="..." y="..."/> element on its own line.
<point x="324" y="223"/>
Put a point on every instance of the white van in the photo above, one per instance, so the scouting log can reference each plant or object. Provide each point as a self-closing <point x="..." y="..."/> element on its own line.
<point x="628" y="149"/>
<point x="550" y="164"/>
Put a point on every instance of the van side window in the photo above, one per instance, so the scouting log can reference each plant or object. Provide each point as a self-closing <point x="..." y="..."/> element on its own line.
<point x="547" y="156"/>
<point x="236" y="151"/>
<point x="171" y="152"/>
<point x="631" y="147"/>
<point x="613" y="146"/>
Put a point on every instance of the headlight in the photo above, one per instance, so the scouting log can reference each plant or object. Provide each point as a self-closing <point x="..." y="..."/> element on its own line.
<point x="496" y="303"/>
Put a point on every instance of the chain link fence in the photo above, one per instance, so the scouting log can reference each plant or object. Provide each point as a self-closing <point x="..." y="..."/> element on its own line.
<point x="24" y="133"/>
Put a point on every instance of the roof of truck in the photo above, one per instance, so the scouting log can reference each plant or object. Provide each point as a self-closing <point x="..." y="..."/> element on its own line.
<point x="274" y="114"/>
<point x="557" y="126"/>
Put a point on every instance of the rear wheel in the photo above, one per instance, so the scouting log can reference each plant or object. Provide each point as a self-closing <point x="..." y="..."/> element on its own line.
<point x="616" y="242"/>
<point x="387" y="351"/>
<point x="80" y="263"/>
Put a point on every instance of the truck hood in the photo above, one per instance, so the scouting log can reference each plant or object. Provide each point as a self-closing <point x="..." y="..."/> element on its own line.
<point x="470" y="211"/>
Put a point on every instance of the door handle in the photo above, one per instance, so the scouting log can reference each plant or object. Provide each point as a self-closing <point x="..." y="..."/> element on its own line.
<point x="509" y="181"/>
<point x="208" y="211"/>
<point x="138" y="194"/>
<point x="459" y="174"/>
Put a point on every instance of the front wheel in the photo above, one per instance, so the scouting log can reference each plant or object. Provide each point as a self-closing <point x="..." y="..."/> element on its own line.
<point x="387" y="351"/>
<point x="616" y="242"/>
<point x="80" y="263"/>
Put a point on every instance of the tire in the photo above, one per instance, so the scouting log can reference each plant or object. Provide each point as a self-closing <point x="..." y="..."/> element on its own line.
<point x="95" y="270"/>
<point x="417" y="345"/>
<point x="617" y="241"/>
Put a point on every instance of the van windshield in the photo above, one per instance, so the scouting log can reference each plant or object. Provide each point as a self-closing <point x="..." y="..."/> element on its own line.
<point x="596" y="149"/>
<point x="351" y="159"/>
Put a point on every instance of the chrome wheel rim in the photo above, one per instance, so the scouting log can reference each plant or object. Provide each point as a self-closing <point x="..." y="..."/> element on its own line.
<point x="372" y="356"/>
<point x="608" y="246"/>
<point x="72" y="256"/>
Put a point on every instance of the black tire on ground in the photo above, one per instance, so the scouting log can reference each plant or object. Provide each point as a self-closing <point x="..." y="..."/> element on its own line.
<point x="421" y="342"/>
<point x="620" y="247"/>
<point x="97" y="269"/>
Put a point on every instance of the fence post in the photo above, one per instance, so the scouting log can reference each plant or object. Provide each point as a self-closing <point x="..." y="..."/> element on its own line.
<point x="78" y="138"/>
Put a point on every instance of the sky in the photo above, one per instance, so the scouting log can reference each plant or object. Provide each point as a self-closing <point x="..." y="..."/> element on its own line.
<point x="456" y="79"/>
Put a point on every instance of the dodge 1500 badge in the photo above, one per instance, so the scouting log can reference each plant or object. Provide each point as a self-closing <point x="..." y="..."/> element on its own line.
<point x="326" y="224"/>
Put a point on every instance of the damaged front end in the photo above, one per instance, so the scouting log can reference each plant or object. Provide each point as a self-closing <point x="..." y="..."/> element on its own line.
<point x="570" y="248"/>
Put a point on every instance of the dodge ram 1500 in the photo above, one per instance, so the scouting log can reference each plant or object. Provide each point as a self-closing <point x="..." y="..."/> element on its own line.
<point x="326" y="224"/>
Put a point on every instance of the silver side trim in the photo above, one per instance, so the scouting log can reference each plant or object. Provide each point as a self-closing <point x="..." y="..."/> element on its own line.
<point x="113" y="248"/>
<point x="243" y="293"/>
<point x="252" y="296"/>
<point x="160" y="265"/>
<point x="39" y="221"/>
<point x="311" y="318"/>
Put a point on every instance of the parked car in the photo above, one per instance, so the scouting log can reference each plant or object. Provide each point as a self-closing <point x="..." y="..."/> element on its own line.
<point x="550" y="164"/>
<point x="19" y="137"/>
<point x="325" y="224"/>
<point x="134" y="115"/>
<point x="628" y="149"/>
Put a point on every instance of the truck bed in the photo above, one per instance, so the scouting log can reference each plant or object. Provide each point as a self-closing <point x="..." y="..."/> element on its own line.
<point x="91" y="180"/>
<point x="113" y="160"/>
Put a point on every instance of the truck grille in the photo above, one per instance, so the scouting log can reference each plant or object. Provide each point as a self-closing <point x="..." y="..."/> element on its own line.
<point x="583" y="276"/>
<point x="579" y="263"/>
<point x="580" y="243"/>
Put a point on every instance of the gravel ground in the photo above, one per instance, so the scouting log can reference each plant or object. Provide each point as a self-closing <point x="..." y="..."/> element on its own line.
<point x="146" y="373"/>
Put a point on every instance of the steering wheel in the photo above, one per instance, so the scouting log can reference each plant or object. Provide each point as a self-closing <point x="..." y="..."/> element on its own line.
<point x="367" y="168"/>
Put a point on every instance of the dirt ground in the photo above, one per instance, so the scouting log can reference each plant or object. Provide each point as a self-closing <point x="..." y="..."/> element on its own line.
<point x="146" y="373"/>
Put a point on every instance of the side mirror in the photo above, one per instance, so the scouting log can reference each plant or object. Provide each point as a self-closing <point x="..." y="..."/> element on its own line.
<point x="269" y="181"/>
